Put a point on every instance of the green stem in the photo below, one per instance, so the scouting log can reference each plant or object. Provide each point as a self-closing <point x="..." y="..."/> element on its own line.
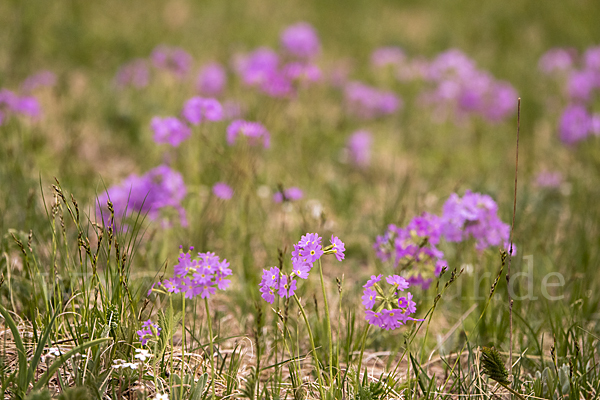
<point x="360" y="358"/>
<point x="312" y="344"/>
<point x="182" y="349"/>
<point x="210" y="339"/>
<point x="330" y="335"/>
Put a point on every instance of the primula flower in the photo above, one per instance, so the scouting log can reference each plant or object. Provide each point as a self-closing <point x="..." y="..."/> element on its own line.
<point x="158" y="189"/>
<point x="135" y="73"/>
<point x="368" y="102"/>
<point x="549" y="179"/>
<point x="254" y="131"/>
<point x="386" y="308"/>
<point x="290" y="194"/>
<point x="12" y="103"/>
<point x="172" y="59"/>
<point x="198" y="109"/>
<point x="301" y="40"/>
<point x="413" y="249"/>
<point x="211" y="80"/>
<point x="337" y="248"/>
<point x="475" y="216"/>
<point x="307" y="251"/>
<point x="386" y="56"/>
<point x="37" y="80"/>
<point x="201" y="275"/>
<point x="222" y="191"/>
<point x="169" y="130"/>
<point x="359" y="148"/>
<point x="149" y="331"/>
<point x="556" y="60"/>
<point x="460" y="89"/>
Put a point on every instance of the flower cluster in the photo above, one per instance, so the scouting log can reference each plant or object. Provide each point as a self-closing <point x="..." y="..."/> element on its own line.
<point x="581" y="78"/>
<point x="306" y="252"/>
<point x="549" y="179"/>
<point x="159" y="188"/>
<point x="474" y="216"/>
<point x="169" y="130"/>
<point x="12" y="103"/>
<point x="388" y="309"/>
<point x="211" y="80"/>
<point x="197" y="109"/>
<point x="223" y="191"/>
<point x="202" y="275"/>
<point x="368" y="102"/>
<point x="134" y="73"/>
<point x="149" y="331"/>
<point x="37" y="80"/>
<point x="413" y="249"/>
<point x="359" y="148"/>
<point x="387" y="56"/>
<point x="172" y="59"/>
<point x="462" y="89"/>
<point x="254" y="131"/>
<point x="290" y="194"/>
<point x="301" y="40"/>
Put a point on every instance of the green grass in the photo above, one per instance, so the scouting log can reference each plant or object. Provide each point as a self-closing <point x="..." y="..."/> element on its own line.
<point x="64" y="286"/>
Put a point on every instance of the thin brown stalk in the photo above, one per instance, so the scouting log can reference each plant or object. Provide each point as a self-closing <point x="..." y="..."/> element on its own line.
<point x="510" y="250"/>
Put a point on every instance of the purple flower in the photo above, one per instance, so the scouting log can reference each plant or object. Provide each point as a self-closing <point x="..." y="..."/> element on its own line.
<point x="135" y="73"/>
<point x="592" y="59"/>
<point x="311" y="252"/>
<point x="547" y="179"/>
<point x="198" y="109"/>
<point x="413" y="248"/>
<point x="158" y="189"/>
<point x="556" y="60"/>
<point x="399" y="282"/>
<point x="149" y="331"/>
<point x="386" y="56"/>
<point x="575" y="124"/>
<point x="368" y="297"/>
<point x="169" y="130"/>
<point x="301" y="40"/>
<point x="359" y="148"/>
<point x="290" y="194"/>
<point x="257" y="67"/>
<point x="254" y="131"/>
<point x="172" y="59"/>
<point x="337" y="247"/>
<point x="368" y="102"/>
<point x="388" y="311"/>
<point x="269" y="284"/>
<point x="287" y="286"/>
<point x="581" y="84"/>
<point x="302" y="72"/>
<point x="211" y="79"/>
<point x="201" y="275"/>
<point x="222" y="191"/>
<point x="473" y="216"/>
<point x="301" y="268"/>
<point x="374" y="279"/>
<point x="39" y="79"/>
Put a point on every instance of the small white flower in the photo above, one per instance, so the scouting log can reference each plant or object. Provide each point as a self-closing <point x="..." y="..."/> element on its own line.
<point x="161" y="396"/>
<point x="142" y="354"/>
<point x="54" y="351"/>
<point x="118" y="364"/>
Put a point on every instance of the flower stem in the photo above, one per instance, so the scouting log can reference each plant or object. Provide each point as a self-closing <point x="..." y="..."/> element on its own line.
<point x="183" y="347"/>
<point x="312" y="344"/>
<point x="210" y="339"/>
<point x="328" y="324"/>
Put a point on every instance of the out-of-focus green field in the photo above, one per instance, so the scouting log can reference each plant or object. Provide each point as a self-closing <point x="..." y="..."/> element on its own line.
<point x="92" y="136"/>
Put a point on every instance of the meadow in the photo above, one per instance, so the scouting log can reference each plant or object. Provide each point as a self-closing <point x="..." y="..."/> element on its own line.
<point x="316" y="200"/>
